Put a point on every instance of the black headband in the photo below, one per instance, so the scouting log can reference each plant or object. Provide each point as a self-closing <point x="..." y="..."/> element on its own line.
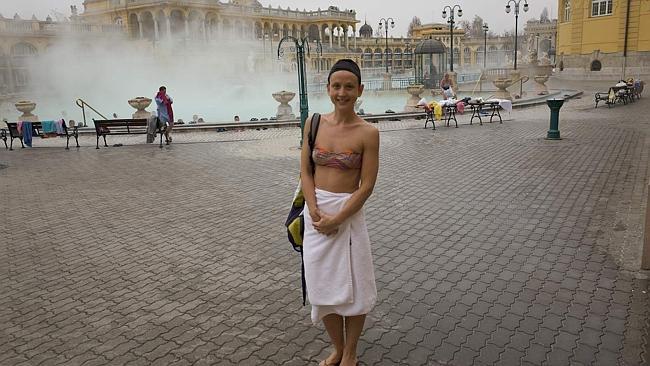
<point x="345" y="65"/>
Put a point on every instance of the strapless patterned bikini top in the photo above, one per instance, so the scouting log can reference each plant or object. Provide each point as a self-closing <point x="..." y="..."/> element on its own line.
<point x="339" y="160"/>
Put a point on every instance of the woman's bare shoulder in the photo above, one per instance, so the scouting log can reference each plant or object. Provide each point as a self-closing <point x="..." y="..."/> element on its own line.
<point x="369" y="130"/>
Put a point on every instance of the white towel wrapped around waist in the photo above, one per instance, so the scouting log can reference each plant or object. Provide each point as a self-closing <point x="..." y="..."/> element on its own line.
<point x="338" y="269"/>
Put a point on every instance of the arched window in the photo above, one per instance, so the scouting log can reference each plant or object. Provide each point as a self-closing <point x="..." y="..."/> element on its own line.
<point x="23" y="49"/>
<point x="596" y="65"/>
<point x="567" y="11"/>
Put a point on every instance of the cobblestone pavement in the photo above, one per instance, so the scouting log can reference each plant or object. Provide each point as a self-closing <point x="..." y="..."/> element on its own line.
<point x="491" y="245"/>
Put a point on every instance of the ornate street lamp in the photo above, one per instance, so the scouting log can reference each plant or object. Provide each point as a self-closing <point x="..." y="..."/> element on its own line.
<point x="451" y="22"/>
<point x="485" y="32"/>
<point x="300" y="46"/>
<point x="383" y="22"/>
<point x="516" y="2"/>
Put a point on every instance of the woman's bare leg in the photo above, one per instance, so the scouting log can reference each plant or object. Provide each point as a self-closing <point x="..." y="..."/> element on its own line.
<point x="334" y="325"/>
<point x="353" y="329"/>
<point x="168" y="132"/>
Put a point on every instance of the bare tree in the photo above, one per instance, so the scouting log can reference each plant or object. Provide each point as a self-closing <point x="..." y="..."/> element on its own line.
<point x="477" y="26"/>
<point x="466" y="27"/>
<point x="415" y="22"/>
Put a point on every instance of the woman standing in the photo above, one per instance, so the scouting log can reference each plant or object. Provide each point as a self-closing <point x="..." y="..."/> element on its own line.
<point x="446" y="85"/>
<point x="165" y="111"/>
<point x="338" y="263"/>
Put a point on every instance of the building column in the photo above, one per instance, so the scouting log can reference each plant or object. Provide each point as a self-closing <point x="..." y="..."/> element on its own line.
<point x="137" y="16"/>
<point x="339" y="36"/>
<point x="331" y="34"/>
<point x="355" y="36"/>
<point x="320" y="34"/>
<point x="347" y="38"/>
<point x="187" y="28"/>
<point x="169" y="26"/>
<point x="155" y="29"/>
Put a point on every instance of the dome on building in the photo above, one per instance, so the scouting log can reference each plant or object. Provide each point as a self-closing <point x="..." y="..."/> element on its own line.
<point x="429" y="46"/>
<point x="365" y="31"/>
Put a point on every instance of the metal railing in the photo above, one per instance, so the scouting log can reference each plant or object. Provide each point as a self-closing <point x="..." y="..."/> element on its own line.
<point x="82" y="104"/>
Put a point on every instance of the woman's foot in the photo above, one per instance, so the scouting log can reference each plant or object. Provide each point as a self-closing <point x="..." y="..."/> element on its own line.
<point x="347" y="362"/>
<point x="333" y="360"/>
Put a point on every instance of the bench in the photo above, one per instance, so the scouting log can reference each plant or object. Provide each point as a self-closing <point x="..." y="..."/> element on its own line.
<point x="617" y="94"/>
<point x="104" y="127"/>
<point x="429" y="116"/>
<point x="37" y="131"/>
<point x="485" y="107"/>
<point x="449" y="113"/>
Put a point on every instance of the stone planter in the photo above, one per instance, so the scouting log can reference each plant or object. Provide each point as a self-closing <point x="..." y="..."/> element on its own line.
<point x="412" y="101"/>
<point x="540" y="84"/>
<point x="26" y="107"/>
<point x="284" y="109"/>
<point x="140" y="104"/>
<point x="502" y="84"/>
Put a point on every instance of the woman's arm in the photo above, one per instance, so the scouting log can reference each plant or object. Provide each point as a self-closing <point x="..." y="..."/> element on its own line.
<point x="306" y="173"/>
<point x="369" y="170"/>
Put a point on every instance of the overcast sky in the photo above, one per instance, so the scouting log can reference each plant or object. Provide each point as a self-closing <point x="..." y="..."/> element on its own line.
<point x="402" y="11"/>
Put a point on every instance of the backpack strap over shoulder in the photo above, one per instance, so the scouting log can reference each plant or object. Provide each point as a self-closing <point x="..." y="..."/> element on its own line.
<point x="313" y="131"/>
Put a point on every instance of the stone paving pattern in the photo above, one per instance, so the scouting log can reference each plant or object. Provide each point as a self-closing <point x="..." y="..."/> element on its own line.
<point x="492" y="246"/>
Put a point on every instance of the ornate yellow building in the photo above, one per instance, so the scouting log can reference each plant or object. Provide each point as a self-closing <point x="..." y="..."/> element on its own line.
<point x="23" y="39"/>
<point x="603" y="38"/>
<point x="468" y="51"/>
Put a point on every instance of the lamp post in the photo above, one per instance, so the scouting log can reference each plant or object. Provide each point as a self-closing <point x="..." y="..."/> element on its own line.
<point x="516" y="2"/>
<point x="301" y="45"/>
<point x="383" y="22"/>
<point x="451" y="22"/>
<point x="485" y="31"/>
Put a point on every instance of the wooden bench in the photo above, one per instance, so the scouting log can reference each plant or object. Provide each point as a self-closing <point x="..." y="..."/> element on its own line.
<point x="104" y="127"/>
<point x="616" y="94"/>
<point x="449" y="113"/>
<point x="492" y="108"/>
<point x="37" y="131"/>
<point x="430" y="117"/>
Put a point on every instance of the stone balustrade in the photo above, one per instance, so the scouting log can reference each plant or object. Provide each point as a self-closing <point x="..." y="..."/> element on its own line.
<point x="20" y="26"/>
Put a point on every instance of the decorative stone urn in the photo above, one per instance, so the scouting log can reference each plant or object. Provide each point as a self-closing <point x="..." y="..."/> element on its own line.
<point x="502" y="84"/>
<point x="540" y="84"/>
<point x="412" y="102"/>
<point x="140" y="103"/>
<point x="26" y="107"/>
<point x="284" y="109"/>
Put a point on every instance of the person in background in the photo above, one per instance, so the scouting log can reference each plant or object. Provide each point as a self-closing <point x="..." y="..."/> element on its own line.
<point x="446" y="85"/>
<point x="165" y="111"/>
